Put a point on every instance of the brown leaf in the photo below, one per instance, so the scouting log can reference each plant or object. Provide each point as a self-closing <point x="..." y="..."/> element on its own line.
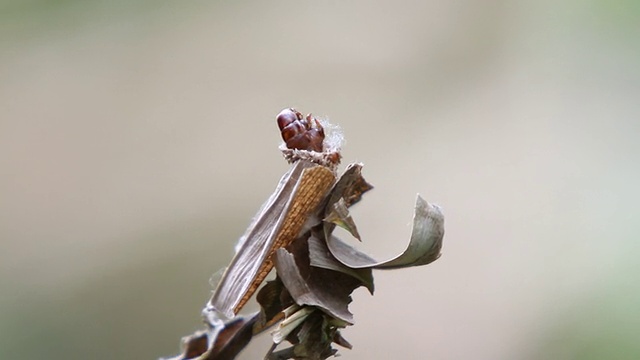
<point x="321" y="257"/>
<point x="424" y="246"/>
<point x="339" y="215"/>
<point x="222" y="341"/>
<point x="233" y="338"/>
<point x="273" y="299"/>
<point x="326" y="289"/>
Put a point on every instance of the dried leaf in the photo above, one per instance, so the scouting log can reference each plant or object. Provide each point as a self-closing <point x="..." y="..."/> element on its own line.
<point x="194" y="345"/>
<point x="222" y="341"/>
<point x="321" y="257"/>
<point x="347" y="191"/>
<point x="339" y="215"/>
<point x="313" y="338"/>
<point x="424" y="246"/>
<point x="233" y="338"/>
<point x="351" y="185"/>
<point x="273" y="298"/>
<point x="326" y="289"/>
<point x="338" y="339"/>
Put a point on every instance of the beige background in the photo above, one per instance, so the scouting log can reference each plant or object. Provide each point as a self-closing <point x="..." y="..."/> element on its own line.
<point x="137" y="139"/>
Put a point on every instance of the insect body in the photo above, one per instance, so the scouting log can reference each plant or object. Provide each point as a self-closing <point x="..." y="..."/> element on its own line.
<point x="285" y="215"/>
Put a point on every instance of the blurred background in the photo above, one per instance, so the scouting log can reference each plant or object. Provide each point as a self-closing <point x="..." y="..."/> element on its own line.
<point x="137" y="140"/>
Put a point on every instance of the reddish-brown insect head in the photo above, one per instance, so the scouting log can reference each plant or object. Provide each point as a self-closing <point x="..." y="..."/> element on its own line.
<point x="298" y="132"/>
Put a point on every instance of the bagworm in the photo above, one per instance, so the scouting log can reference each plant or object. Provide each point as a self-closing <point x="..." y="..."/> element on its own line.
<point x="289" y="212"/>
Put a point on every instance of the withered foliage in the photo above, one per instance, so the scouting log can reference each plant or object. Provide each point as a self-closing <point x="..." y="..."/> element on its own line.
<point x="306" y="305"/>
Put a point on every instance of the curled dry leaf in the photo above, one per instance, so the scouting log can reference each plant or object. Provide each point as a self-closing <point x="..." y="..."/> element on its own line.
<point x="321" y="257"/>
<point x="424" y="246"/>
